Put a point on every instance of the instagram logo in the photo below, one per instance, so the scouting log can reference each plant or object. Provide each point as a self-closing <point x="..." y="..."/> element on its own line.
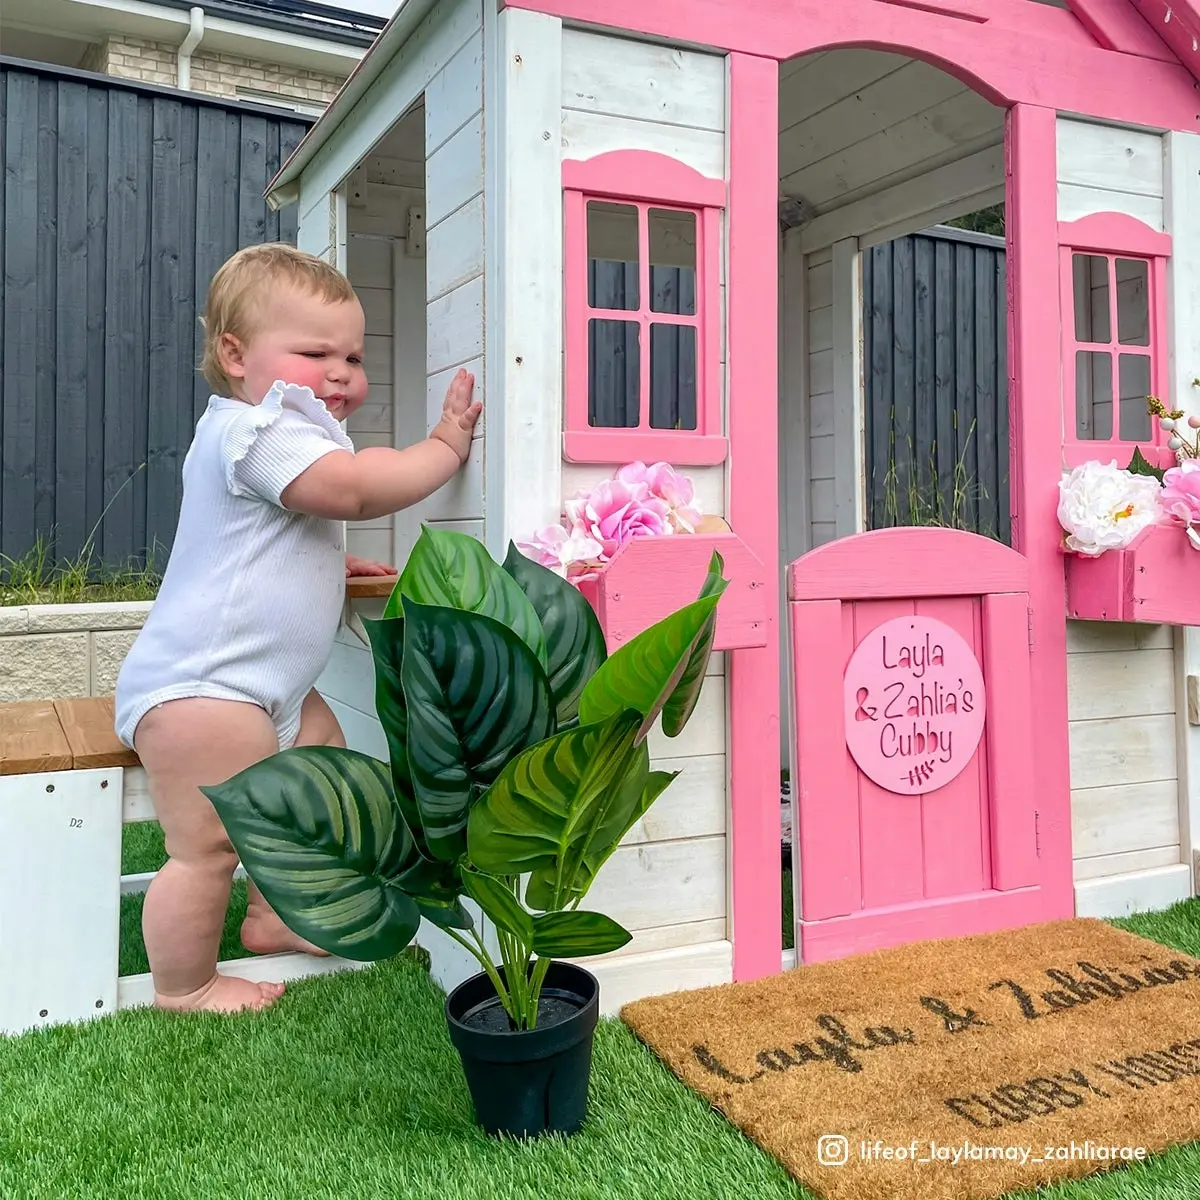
<point x="833" y="1150"/>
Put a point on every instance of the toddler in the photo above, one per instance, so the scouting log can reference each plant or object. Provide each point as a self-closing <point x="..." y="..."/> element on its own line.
<point x="222" y="673"/>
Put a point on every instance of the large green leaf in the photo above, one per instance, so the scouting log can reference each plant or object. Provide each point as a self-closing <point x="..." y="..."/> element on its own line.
<point x="599" y="846"/>
<point x="453" y="570"/>
<point x="387" y="648"/>
<point x="499" y="904"/>
<point x="476" y="697"/>
<point x="319" y="831"/>
<point x="664" y="665"/>
<point x="574" y="640"/>
<point x="544" y="810"/>
<point x="681" y="703"/>
<point x="577" y="934"/>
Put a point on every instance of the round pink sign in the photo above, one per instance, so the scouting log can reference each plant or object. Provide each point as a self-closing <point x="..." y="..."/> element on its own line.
<point x="914" y="705"/>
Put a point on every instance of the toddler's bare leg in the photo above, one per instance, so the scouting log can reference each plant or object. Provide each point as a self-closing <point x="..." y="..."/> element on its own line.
<point x="262" y="930"/>
<point x="184" y="745"/>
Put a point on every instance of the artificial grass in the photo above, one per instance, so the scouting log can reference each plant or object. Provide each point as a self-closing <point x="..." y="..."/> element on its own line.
<point x="142" y="849"/>
<point x="349" y="1087"/>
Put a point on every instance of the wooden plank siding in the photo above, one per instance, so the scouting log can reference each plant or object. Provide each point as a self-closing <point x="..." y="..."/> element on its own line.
<point x="119" y="203"/>
<point x="936" y="379"/>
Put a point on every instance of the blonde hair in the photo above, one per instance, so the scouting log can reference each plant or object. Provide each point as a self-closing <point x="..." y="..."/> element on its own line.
<point x="240" y="285"/>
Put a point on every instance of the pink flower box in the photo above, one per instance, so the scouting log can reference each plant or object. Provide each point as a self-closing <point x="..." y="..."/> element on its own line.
<point x="1156" y="578"/>
<point x="648" y="578"/>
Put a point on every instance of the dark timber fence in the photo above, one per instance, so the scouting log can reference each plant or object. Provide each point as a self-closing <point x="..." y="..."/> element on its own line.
<point x="935" y="362"/>
<point x="118" y="204"/>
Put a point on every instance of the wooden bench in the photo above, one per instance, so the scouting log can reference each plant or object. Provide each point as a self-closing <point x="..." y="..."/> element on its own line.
<point x="60" y="735"/>
<point x="67" y="788"/>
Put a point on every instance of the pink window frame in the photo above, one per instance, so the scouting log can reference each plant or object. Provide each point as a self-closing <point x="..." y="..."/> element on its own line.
<point x="644" y="180"/>
<point x="1113" y="236"/>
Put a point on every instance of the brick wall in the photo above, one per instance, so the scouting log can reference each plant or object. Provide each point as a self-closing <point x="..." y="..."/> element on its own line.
<point x="216" y="74"/>
<point x="50" y="651"/>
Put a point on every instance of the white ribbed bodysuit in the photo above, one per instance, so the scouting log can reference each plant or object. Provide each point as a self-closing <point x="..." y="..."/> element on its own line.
<point x="251" y="597"/>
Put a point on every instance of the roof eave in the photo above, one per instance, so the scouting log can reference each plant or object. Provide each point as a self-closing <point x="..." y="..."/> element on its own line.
<point x="284" y="188"/>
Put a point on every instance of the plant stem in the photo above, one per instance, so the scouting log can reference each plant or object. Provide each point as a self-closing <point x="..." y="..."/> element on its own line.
<point x="485" y="960"/>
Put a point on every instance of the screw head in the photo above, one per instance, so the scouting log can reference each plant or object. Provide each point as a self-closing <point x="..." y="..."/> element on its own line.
<point x="43" y="1012"/>
<point x="49" y="787"/>
<point x="104" y="783"/>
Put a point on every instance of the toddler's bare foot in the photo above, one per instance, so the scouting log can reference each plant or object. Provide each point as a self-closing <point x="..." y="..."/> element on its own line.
<point x="223" y="994"/>
<point x="265" y="933"/>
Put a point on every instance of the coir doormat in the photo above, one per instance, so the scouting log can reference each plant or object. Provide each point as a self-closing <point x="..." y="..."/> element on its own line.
<point x="950" y="1070"/>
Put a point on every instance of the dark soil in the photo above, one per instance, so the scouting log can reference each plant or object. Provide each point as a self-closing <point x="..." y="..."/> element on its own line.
<point x="552" y="1010"/>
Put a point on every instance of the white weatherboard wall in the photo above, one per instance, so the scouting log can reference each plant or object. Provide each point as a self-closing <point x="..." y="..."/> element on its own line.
<point x="1128" y="801"/>
<point x="667" y="883"/>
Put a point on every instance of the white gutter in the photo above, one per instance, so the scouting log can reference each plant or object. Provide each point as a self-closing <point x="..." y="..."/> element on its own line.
<point x="183" y="67"/>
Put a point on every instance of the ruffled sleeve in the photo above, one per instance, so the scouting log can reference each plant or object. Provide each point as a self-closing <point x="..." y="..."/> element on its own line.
<point x="268" y="445"/>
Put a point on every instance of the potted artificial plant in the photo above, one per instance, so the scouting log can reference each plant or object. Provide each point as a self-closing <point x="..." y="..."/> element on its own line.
<point x="518" y="762"/>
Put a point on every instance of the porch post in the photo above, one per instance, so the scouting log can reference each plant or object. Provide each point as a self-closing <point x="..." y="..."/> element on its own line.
<point x="1036" y="437"/>
<point x="753" y="507"/>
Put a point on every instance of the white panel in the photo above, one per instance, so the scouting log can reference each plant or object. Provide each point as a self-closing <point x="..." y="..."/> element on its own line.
<point x="377" y="362"/>
<point x="410" y="315"/>
<point x="584" y="135"/>
<point x="823" y="501"/>
<point x="947" y="131"/>
<point x="368" y="265"/>
<point x="454" y="329"/>
<point x="958" y="187"/>
<point x="1123" y="750"/>
<point x="694" y="805"/>
<point x="820" y="80"/>
<point x="1106" y="157"/>
<point x="454" y="249"/>
<point x="1076" y="202"/>
<point x="662" y="883"/>
<point x="386" y="211"/>
<point x="60" y="870"/>
<point x="528" y="358"/>
<point x="822" y="424"/>
<point x="1133" y="683"/>
<point x="349" y="677"/>
<point x="402" y="82"/>
<point x="883" y="104"/>
<point x="1141" y="891"/>
<point x="373" y="417"/>
<point x="1113" y="820"/>
<point x="454" y="95"/>
<point x="454" y="174"/>
<point x="624" y="78"/>
<point x="373" y="544"/>
<point x="1100" y="865"/>
<point x="461" y="498"/>
<point x="624" y="978"/>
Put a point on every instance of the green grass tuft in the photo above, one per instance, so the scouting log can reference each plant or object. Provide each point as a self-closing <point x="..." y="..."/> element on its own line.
<point x="38" y="578"/>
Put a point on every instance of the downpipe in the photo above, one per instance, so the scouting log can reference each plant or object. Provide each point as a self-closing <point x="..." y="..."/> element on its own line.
<point x="183" y="65"/>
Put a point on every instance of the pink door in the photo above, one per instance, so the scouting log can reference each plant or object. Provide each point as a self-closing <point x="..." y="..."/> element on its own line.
<point x="913" y="775"/>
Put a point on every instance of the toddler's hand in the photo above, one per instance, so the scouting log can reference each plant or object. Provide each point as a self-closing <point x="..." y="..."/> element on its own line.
<point x="459" y="414"/>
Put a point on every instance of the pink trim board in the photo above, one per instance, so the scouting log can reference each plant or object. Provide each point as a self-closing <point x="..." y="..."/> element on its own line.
<point x="753" y="481"/>
<point x="1011" y="51"/>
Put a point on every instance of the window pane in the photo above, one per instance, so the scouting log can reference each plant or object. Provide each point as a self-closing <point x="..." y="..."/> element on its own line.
<point x="1133" y="302"/>
<point x="1133" y="378"/>
<point x="672" y="261"/>
<point x="1093" y="322"/>
<point x="614" y="373"/>
<point x="612" y="238"/>
<point x="673" y="376"/>
<point x="1093" y="395"/>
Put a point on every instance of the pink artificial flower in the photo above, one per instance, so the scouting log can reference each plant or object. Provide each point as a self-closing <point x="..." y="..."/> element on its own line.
<point x="665" y="483"/>
<point x="560" y="549"/>
<point x="613" y="512"/>
<point x="1180" y="497"/>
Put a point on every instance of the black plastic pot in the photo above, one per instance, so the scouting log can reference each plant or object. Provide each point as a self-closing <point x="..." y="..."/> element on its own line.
<point x="532" y="1081"/>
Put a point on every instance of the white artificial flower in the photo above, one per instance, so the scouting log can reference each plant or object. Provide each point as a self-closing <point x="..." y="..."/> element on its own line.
<point x="1103" y="507"/>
